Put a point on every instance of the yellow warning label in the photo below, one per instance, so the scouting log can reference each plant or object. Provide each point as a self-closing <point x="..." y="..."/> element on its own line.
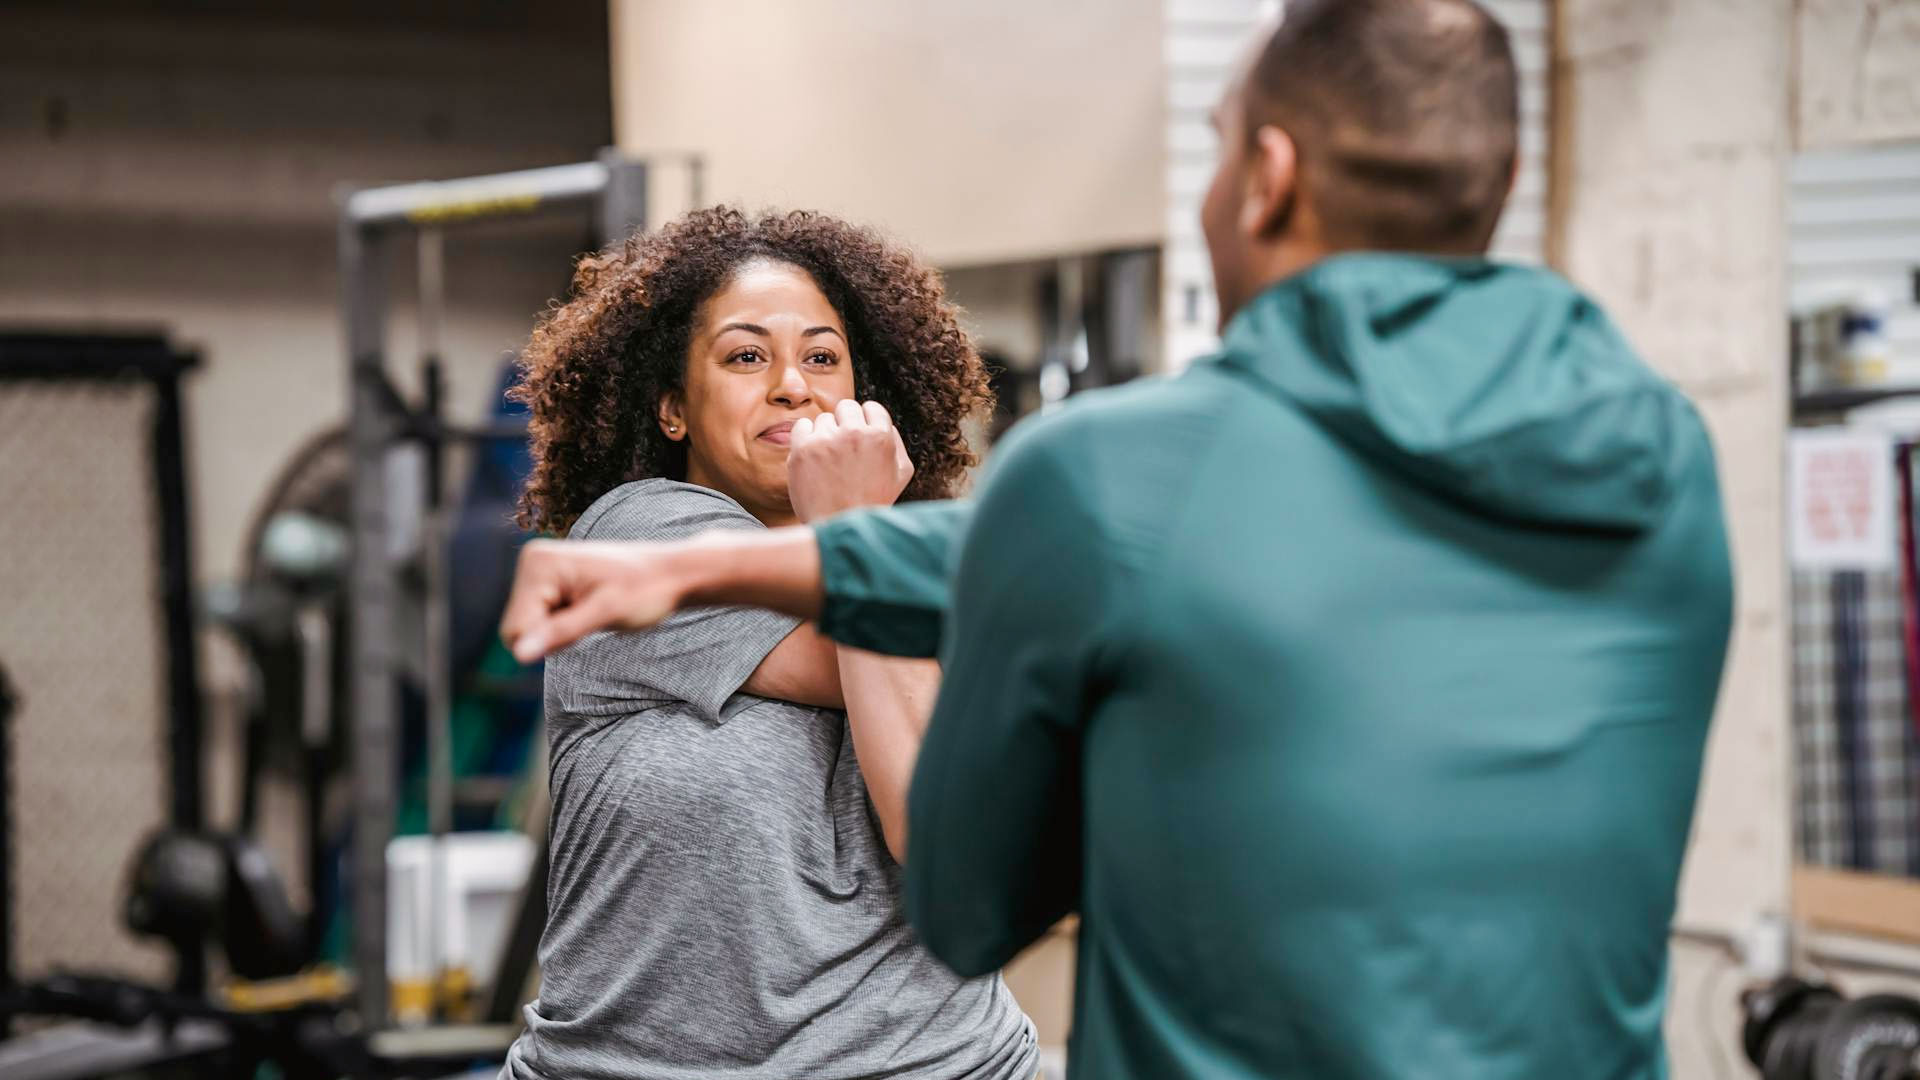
<point x="468" y="209"/>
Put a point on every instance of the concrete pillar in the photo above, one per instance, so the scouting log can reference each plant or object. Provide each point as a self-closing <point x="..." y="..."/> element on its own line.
<point x="1858" y="71"/>
<point x="1672" y="144"/>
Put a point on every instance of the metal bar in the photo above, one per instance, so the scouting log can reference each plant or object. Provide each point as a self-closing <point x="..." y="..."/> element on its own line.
<point x="370" y="593"/>
<point x="7" y="977"/>
<point x="1062" y="313"/>
<point x="439" y="702"/>
<point x="184" y="735"/>
<point x="1863" y="954"/>
<point x="623" y="204"/>
<point x="454" y="202"/>
<point x="433" y="559"/>
<point x="39" y="356"/>
<point x="1835" y="402"/>
<point x="253" y="751"/>
<point x="1712" y="937"/>
<point x="432" y="300"/>
<point x="316" y="633"/>
<point x="520" y="952"/>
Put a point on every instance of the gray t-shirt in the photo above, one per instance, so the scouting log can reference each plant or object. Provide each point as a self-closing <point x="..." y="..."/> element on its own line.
<point x="721" y="902"/>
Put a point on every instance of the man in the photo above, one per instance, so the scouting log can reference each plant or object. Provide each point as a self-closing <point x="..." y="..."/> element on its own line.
<point x="1353" y="685"/>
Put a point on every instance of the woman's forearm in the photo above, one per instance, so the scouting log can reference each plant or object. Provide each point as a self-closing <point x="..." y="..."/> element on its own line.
<point x="888" y="702"/>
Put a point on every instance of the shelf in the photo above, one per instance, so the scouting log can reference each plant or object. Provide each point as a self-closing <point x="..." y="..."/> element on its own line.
<point x="1878" y="905"/>
<point x="1831" y="402"/>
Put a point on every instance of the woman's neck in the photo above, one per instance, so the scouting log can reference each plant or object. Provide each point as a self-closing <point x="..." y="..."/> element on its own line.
<point x="773" y="519"/>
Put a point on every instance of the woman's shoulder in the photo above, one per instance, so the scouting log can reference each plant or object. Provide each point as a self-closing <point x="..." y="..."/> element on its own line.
<point x="658" y="509"/>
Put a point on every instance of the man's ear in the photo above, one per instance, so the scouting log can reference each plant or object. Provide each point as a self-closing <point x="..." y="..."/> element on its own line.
<point x="673" y="421"/>
<point x="1273" y="180"/>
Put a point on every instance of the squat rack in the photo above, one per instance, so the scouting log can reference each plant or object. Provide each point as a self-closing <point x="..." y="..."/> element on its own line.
<point x="614" y="188"/>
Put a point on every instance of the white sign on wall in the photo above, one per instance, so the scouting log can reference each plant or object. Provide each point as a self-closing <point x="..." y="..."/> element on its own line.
<point x="1841" y="500"/>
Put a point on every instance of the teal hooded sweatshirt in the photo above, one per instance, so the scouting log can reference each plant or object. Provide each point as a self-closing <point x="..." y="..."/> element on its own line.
<point x="1352" y="686"/>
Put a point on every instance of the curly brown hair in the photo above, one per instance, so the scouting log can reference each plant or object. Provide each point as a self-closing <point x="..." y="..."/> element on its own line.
<point x="598" y="364"/>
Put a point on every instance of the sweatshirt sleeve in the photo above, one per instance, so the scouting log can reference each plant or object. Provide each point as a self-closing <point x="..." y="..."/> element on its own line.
<point x="887" y="575"/>
<point x="994" y="812"/>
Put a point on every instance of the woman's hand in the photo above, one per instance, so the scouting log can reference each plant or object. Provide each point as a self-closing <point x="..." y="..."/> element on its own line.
<point x="848" y="458"/>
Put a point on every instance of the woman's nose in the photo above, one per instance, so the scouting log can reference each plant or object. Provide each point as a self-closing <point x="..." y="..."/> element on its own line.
<point x="790" y="387"/>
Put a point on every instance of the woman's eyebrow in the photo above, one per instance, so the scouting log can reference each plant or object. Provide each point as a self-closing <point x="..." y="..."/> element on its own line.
<point x="815" y="331"/>
<point x="747" y="326"/>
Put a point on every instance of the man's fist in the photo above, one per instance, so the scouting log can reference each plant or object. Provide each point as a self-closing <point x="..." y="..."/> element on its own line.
<point x="564" y="591"/>
<point x="848" y="458"/>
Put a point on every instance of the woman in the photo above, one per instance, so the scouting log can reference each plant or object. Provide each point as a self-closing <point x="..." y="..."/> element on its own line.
<point x="722" y="897"/>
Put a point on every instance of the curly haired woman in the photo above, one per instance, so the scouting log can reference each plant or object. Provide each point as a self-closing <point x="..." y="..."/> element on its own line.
<point x="729" y="788"/>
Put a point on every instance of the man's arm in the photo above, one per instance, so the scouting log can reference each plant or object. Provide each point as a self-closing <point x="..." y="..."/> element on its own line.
<point x="995" y="805"/>
<point x="884" y="588"/>
<point x="886" y="575"/>
<point x="886" y="570"/>
<point x="565" y="590"/>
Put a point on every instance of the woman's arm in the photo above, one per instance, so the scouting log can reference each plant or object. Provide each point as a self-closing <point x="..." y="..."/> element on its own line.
<point x="563" y="591"/>
<point x="888" y="703"/>
<point x="854" y="458"/>
<point x="805" y="668"/>
<point x="876" y="579"/>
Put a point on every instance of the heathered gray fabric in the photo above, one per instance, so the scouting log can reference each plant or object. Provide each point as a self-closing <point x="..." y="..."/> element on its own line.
<point x="721" y="901"/>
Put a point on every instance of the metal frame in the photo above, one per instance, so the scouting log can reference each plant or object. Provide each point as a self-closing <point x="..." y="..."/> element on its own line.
<point x="8" y="977"/>
<point x="50" y="355"/>
<point x="615" y="189"/>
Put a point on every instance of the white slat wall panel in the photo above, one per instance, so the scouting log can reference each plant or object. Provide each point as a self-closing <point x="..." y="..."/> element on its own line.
<point x="1204" y="38"/>
<point x="1853" y="217"/>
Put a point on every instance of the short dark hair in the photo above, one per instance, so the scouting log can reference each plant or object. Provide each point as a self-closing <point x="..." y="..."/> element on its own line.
<point x="1404" y="115"/>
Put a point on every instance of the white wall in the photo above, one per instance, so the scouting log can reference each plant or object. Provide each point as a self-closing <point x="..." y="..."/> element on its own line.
<point x="988" y="131"/>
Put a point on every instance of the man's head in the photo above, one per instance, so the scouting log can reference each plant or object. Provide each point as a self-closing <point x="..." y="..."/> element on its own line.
<point x="1361" y="125"/>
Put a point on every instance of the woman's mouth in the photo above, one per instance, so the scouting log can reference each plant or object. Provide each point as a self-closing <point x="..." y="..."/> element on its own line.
<point x="779" y="434"/>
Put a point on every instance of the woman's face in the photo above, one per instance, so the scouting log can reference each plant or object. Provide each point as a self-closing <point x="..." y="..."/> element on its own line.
<point x="766" y="350"/>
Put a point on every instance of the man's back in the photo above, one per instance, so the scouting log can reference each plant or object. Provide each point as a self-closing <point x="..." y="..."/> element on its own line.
<point x="1401" y="625"/>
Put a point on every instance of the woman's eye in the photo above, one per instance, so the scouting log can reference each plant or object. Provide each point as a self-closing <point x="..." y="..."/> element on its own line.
<point x="745" y="356"/>
<point x="825" y="359"/>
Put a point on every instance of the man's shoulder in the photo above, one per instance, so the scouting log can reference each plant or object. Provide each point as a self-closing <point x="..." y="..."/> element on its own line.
<point x="1196" y="389"/>
<point x="1119" y="461"/>
<point x="1153" y="416"/>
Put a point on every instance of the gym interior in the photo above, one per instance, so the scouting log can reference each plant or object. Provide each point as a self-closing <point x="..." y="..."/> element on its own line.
<point x="273" y="794"/>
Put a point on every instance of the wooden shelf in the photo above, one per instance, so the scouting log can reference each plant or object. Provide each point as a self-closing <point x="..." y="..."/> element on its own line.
<point x="1880" y="905"/>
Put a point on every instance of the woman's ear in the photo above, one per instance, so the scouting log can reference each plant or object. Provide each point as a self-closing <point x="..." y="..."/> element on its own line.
<point x="673" y="421"/>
